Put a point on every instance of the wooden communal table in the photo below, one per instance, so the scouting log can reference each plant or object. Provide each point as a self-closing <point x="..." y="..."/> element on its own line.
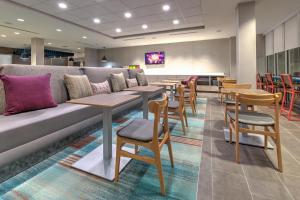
<point x="146" y="91"/>
<point x="101" y="161"/>
<point x="165" y="85"/>
<point x="246" y="138"/>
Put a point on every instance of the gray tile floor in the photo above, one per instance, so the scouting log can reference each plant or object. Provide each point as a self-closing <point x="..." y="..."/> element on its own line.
<point x="255" y="178"/>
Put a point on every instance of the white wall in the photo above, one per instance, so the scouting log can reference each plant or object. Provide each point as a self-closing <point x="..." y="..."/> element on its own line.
<point x="5" y="59"/>
<point x="209" y="56"/>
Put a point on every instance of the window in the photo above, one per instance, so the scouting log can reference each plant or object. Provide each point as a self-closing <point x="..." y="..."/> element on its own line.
<point x="271" y="64"/>
<point x="280" y="63"/>
<point x="294" y="60"/>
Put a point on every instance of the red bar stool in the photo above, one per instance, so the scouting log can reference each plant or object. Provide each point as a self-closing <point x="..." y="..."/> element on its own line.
<point x="270" y="87"/>
<point x="288" y="88"/>
<point x="259" y="83"/>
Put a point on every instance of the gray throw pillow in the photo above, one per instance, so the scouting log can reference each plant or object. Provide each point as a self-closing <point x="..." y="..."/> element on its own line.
<point x="78" y="86"/>
<point x="142" y="79"/>
<point x="118" y="82"/>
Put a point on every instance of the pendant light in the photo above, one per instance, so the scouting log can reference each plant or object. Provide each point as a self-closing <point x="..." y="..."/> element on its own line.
<point x="104" y="59"/>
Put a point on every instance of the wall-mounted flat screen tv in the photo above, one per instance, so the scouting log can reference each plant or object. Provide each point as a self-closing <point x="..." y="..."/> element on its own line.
<point x="155" y="58"/>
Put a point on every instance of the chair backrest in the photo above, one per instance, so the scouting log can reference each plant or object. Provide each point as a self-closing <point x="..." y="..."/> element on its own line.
<point x="232" y="81"/>
<point x="159" y="108"/>
<point x="180" y="90"/>
<point x="259" y="100"/>
<point x="236" y="86"/>
<point x="287" y="81"/>
<point x="269" y="79"/>
<point x="192" y="86"/>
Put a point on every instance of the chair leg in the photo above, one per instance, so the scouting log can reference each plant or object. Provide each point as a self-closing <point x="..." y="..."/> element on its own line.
<point x="279" y="156"/>
<point x="136" y="149"/>
<point x="170" y="152"/>
<point x="291" y="106"/>
<point x="225" y="116"/>
<point x="266" y="141"/>
<point x="117" y="167"/>
<point x="283" y="101"/>
<point x="237" y="146"/>
<point x="182" y="121"/>
<point x="185" y="117"/>
<point x="230" y="134"/>
<point x="159" y="170"/>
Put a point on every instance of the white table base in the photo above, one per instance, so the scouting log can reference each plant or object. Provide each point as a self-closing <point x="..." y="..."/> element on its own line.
<point x="248" y="139"/>
<point x="93" y="163"/>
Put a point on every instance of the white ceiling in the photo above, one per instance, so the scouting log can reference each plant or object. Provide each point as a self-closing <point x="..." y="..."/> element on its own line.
<point x="43" y="17"/>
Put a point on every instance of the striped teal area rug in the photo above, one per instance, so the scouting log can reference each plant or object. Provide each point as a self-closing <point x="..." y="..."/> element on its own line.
<point x="54" y="179"/>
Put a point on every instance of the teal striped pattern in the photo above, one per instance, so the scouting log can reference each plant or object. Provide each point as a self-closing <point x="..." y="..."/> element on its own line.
<point x="50" y="180"/>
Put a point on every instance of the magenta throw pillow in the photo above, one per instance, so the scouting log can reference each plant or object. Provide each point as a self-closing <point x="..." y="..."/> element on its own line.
<point x="26" y="93"/>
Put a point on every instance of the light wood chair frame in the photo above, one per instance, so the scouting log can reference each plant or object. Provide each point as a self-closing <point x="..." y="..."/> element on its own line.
<point x="269" y="131"/>
<point x="179" y="113"/>
<point x="155" y="145"/>
<point x="191" y="99"/>
<point x="224" y="82"/>
<point x="232" y="97"/>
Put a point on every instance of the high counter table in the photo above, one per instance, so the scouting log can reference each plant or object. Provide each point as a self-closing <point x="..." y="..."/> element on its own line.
<point x="93" y="163"/>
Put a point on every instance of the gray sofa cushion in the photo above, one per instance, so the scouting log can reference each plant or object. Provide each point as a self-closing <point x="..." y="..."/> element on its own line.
<point x="132" y="72"/>
<point x="139" y="129"/>
<point x="118" y="82"/>
<point x="19" y="129"/>
<point x="58" y="88"/>
<point x="101" y="74"/>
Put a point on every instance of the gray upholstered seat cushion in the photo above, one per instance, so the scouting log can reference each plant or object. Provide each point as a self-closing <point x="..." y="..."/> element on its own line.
<point x="16" y="130"/>
<point x="139" y="129"/>
<point x="253" y="118"/>
<point x="173" y="104"/>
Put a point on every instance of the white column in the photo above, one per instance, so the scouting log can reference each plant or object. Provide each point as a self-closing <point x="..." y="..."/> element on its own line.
<point x="37" y="51"/>
<point x="246" y="43"/>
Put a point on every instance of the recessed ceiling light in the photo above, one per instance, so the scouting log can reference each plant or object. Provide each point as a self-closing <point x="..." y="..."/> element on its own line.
<point x="176" y="21"/>
<point x="58" y="30"/>
<point x="84" y="37"/>
<point x="144" y="26"/>
<point x="166" y="7"/>
<point x="128" y="15"/>
<point x="49" y="43"/>
<point x="20" y="20"/>
<point x="17" y="33"/>
<point x="62" y="5"/>
<point x="118" y="30"/>
<point x="3" y="35"/>
<point x="78" y="48"/>
<point x="97" y="20"/>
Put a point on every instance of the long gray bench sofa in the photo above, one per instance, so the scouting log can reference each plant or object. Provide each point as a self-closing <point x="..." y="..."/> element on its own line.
<point x="25" y="133"/>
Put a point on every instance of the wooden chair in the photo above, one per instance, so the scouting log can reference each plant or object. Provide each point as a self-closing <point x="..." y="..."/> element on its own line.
<point x="229" y="101"/>
<point x="190" y="98"/>
<point x="270" y="123"/>
<point x="176" y="108"/>
<point x="149" y="134"/>
<point x="226" y="81"/>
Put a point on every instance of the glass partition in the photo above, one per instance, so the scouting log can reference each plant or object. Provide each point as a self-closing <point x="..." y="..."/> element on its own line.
<point x="271" y="64"/>
<point x="294" y="60"/>
<point x="281" y="69"/>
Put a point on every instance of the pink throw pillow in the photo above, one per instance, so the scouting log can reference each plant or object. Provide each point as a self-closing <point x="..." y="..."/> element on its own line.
<point x="26" y="93"/>
<point x="101" y="88"/>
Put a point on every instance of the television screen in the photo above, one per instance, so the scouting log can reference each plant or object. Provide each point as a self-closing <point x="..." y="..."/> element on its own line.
<point x="155" y="58"/>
